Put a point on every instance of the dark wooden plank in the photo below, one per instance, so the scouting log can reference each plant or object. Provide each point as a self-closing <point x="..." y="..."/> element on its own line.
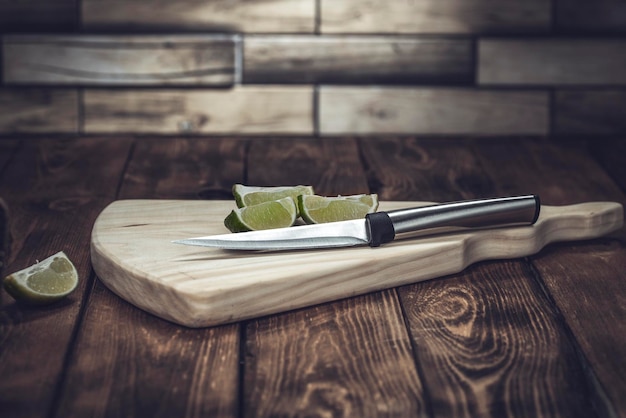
<point x="150" y="366"/>
<point x="54" y="190"/>
<point x="330" y="165"/>
<point x="431" y="171"/>
<point x="585" y="279"/>
<point x="586" y="112"/>
<point x="581" y="16"/>
<point x="558" y="61"/>
<point x="562" y="173"/>
<point x="127" y="360"/>
<point x="198" y="60"/>
<point x="185" y="168"/>
<point x="276" y="16"/>
<point x="351" y="357"/>
<point x="610" y="152"/>
<point x="38" y="110"/>
<point x="7" y="149"/>
<point x="490" y="344"/>
<point x="348" y="357"/>
<point x="8" y="146"/>
<point x="374" y="110"/>
<point x="587" y="283"/>
<point x="471" y="330"/>
<point x="434" y="16"/>
<point x="352" y="59"/>
<point x="38" y="15"/>
<point x="4" y="236"/>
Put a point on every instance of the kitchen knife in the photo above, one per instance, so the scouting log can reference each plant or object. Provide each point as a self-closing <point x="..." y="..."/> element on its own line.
<point x="381" y="227"/>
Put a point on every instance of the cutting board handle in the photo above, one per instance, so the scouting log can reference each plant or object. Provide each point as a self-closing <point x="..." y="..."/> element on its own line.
<point x="580" y="221"/>
<point x="555" y="224"/>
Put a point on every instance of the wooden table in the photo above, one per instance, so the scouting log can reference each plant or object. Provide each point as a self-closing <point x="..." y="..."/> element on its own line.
<point x="540" y="336"/>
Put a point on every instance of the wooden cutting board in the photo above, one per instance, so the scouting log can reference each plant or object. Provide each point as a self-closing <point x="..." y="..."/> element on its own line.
<point x="132" y="254"/>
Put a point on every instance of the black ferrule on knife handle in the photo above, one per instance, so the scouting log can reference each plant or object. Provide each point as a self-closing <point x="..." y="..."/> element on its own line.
<point x="517" y="210"/>
<point x="380" y="228"/>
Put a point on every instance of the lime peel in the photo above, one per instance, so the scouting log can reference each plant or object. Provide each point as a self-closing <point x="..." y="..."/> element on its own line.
<point x="44" y="282"/>
<point x="254" y="195"/>
<point x="320" y="209"/>
<point x="279" y="213"/>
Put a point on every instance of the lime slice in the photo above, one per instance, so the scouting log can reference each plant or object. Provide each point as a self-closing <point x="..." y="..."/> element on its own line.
<point x="268" y="215"/>
<point x="45" y="282"/>
<point x="254" y="195"/>
<point x="319" y="209"/>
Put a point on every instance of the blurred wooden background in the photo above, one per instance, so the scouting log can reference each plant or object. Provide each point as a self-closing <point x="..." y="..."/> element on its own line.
<point x="313" y="67"/>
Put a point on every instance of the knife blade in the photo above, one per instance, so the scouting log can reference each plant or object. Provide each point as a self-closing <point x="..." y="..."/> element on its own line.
<point x="382" y="227"/>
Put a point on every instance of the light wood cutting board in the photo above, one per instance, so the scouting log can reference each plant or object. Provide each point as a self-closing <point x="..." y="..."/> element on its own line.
<point x="132" y="254"/>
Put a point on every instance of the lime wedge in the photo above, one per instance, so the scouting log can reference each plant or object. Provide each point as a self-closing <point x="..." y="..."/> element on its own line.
<point x="319" y="209"/>
<point x="254" y="195"/>
<point x="45" y="282"/>
<point x="268" y="215"/>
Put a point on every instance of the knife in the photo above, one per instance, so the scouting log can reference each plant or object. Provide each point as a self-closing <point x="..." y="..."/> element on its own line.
<point x="381" y="227"/>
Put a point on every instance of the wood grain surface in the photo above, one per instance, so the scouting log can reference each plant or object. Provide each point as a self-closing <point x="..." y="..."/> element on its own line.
<point x="485" y="340"/>
<point x="198" y="60"/>
<point x="339" y="371"/>
<point x="442" y="170"/>
<point x="411" y="111"/>
<point x="197" y="15"/>
<point x="356" y="59"/>
<point x="261" y="110"/>
<point x="434" y="16"/>
<point x="54" y="198"/>
<point x="537" y="336"/>
<point x="315" y="377"/>
<point x="589" y="111"/>
<point x="570" y="288"/>
<point x="133" y="364"/>
<point x="332" y="164"/>
<point x="132" y="253"/>
<point x="36" y="110"/>
<point x="535" y="61"/>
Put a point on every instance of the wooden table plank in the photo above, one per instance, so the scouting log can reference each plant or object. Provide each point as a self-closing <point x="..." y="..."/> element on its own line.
<point x="487" y="338"/>
<point x="54" y="189"/>
<point x="186" y="168"/>
<point x="562" y="173"/>
<point x="491" y="345"/>
<point x="8" y="147"/>
<point x="332" y="166"/>
<point x="609" y="153"/>
<point x="586" y="279"/>
<point x="148" y="365"/>
<point x="423" y="170"/>
<point x="348" y="357"/>
<point x="587" y="282"/>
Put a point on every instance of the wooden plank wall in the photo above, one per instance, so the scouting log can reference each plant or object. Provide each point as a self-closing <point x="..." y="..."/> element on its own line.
<point x="313" y="67"/>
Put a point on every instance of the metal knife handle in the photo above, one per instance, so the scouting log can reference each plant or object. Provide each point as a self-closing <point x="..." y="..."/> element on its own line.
<point x="500" y="211"/>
